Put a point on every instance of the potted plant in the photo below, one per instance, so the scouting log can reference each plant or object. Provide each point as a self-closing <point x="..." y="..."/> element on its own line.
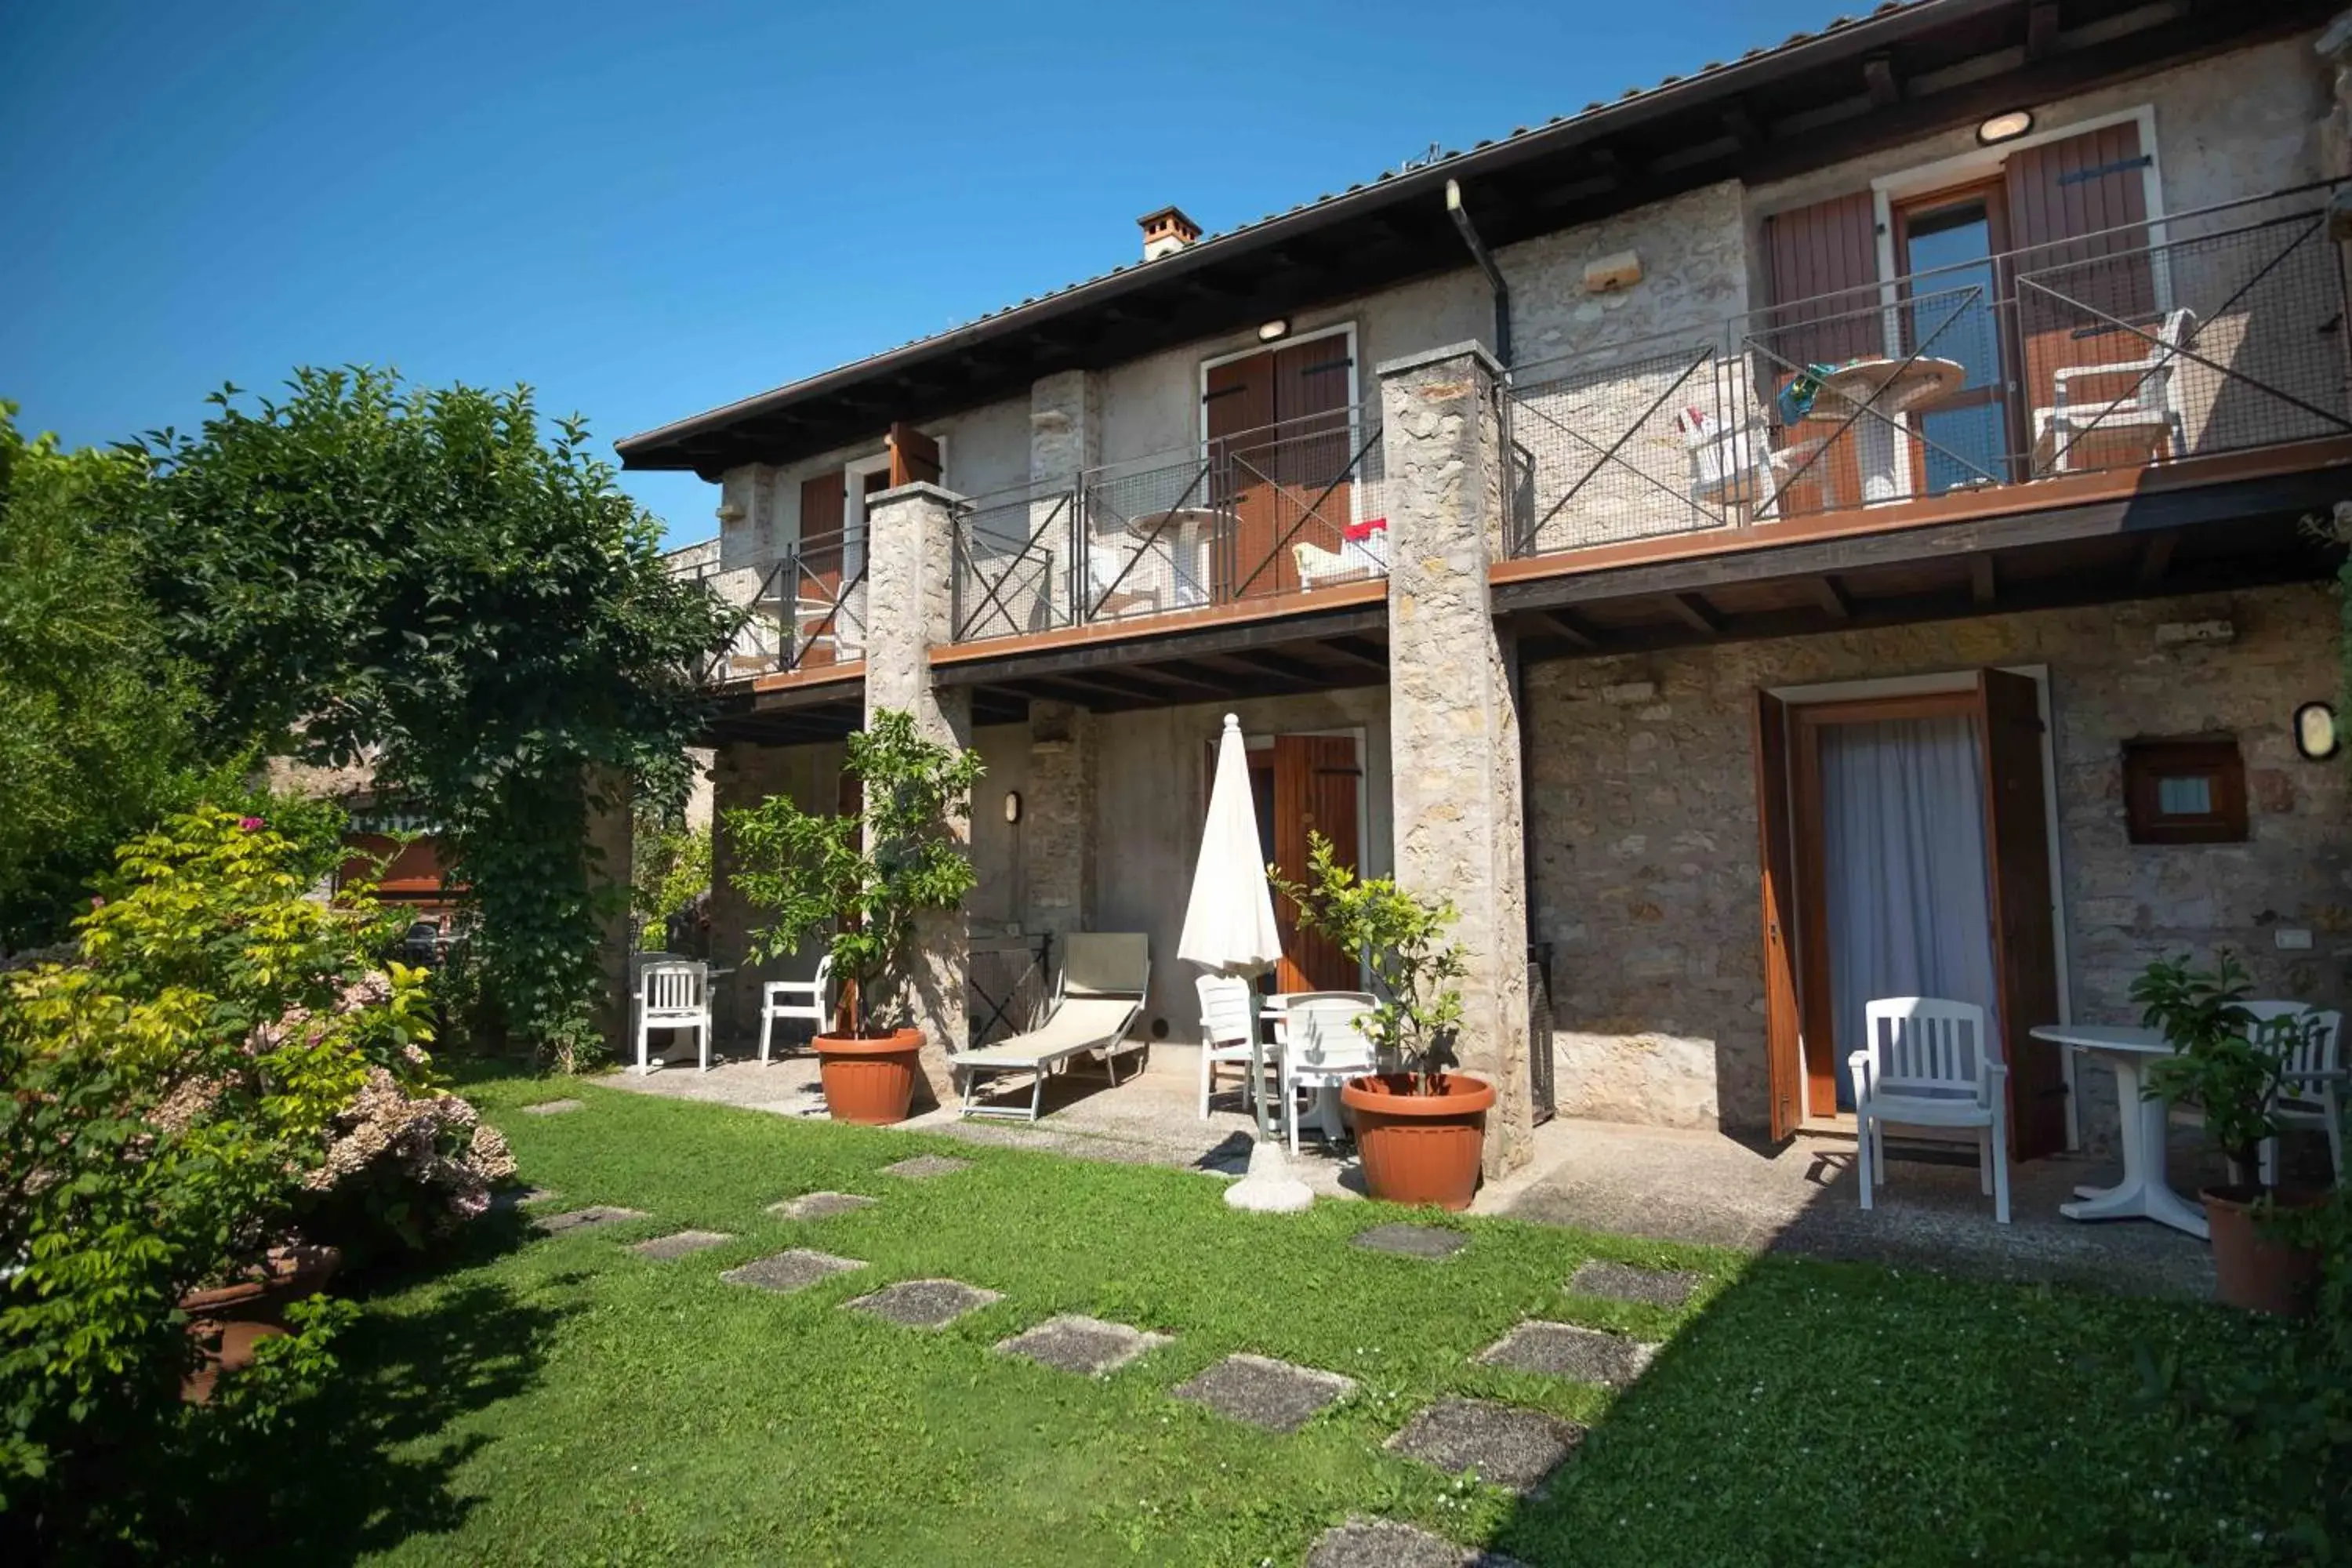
<point x="2229" y="1064"/>
<point x="1422" y="1128"/>
<point x="871" y="875"/>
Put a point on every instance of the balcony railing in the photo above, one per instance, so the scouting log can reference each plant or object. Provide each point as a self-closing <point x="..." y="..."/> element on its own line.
<point x="809" y="612"/>
<point x="1282" y="511"/>
<point x="2206" y="333"/>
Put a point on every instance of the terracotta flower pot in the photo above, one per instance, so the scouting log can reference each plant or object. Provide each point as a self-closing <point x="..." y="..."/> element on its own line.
<point x="1419" y="1148"/>
<point x="869" y="1081"/>
<point x="228" y="1321"/>
<point x="2253" y="1270"/>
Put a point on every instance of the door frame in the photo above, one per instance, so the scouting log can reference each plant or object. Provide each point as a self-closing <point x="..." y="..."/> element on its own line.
<point x="1885" y="693"/>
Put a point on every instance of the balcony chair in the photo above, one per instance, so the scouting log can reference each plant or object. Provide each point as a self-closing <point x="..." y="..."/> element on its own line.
<point x="1224" y="1034"/>
<point x="803" y="1000"/>
<point x="2152" y="403"/>
<point x="1137" y="590"/>
<point x="2313" y="1094"/>
<point x="1935" y="1068"/>
<point x="1322" y="1047"/>
<point x="673" y="993"/>
<point x="1104" y="980"/>
<point x="1353" y="562"/>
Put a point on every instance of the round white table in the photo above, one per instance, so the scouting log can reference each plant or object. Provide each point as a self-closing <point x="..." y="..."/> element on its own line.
<point x="2143" y="1193"/>
<point x="1876" y="393"/>
<point x="1188" y="531"/>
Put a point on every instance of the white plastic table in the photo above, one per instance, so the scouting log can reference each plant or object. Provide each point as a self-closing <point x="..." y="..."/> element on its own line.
<point x="1875" y="393"/>
<point x="2143" y="1193"/>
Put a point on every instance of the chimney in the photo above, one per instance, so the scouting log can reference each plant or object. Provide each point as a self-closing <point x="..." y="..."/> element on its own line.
<point x="1166" y="232"/>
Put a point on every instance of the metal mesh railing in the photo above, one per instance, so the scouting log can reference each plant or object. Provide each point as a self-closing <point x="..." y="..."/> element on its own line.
<point x="2208" y="333"/>
<point x="809" y="611"/>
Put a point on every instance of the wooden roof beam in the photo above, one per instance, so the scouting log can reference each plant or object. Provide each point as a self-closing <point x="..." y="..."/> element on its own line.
<point x="1694" y="612"/>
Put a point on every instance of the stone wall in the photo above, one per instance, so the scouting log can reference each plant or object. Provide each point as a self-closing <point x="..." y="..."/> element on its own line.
<point x="1644" y="806"/>
<point x="1694" y="255"/>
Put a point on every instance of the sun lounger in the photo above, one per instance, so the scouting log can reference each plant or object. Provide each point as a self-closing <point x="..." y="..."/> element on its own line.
<point x="1103" y="981"/>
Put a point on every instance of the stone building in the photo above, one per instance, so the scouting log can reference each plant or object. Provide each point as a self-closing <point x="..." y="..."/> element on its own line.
<point x="1830" y="523"/>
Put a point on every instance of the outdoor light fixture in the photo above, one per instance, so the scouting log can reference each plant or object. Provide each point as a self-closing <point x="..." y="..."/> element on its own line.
<point x="1273" y="330"/>
<point x="2004" y="127"/>
<point x="2315" y="731"/>
<point x="1012" y="805"/>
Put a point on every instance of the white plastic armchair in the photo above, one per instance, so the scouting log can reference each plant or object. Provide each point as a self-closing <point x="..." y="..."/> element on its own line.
<point x="2312" y="1093"/>
<point x="1354" y="560"/>
<point x="1224" y="1033"/>
<point x="804" y="1001"/>
<point x="1929" y="1063"/>
<point x="673" y="993"/>
<point x="1322" y="1047"/>
<point x="2151" y="401"/>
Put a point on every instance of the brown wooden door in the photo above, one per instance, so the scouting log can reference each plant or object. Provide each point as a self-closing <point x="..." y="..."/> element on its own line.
<point x="2078" y="214"/>
<point x="1237" y="408"/>
<point x="914" y="456"/>
<point x="1315" y="791"/>
<point x="1782" y="1045"/>
<point x="816" y="583"/>
<point x="1279" y="435"/>
<point x="1822" y="268"/>
<point x="2024" y="939"/>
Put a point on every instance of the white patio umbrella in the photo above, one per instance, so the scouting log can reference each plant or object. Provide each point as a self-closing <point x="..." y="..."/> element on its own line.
<point x="1229" y="929"/>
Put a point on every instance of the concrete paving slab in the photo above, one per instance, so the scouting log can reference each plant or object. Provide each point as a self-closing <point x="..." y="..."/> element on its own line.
<point x="821" y="1205"/>
<point x="1564" y="1350"/>
<point x="554" y="1107"/>
<point x="1624" y="1282"/>
<point x="1088" y="1346"/>
<point x="1385" y="1544"/>
<point x="1432" y="1241"/>
<point x="925" y="1303"/>
<point x="1507" y="1445"/>
<point x="677" y="1244"/>
<point x="1266" y="1393"/>
<point x="795" y="1269"/>
<point x="588" y="1218"/>
<point x="923" y="1167"/>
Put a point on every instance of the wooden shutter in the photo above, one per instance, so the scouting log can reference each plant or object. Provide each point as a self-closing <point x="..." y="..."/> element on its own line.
<point x="2078" y="216"/>
<point x="1784" y="1071"/>
<point x="1237" y="405"/>
<point x="1822" y="268"/>
<point x="914" y="456"/>
<point x="2025" y="940"/>
<point x="1314" y="790"/>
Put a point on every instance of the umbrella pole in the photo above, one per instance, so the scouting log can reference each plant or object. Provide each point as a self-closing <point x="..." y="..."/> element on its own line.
<point x="1269" y="1188"/>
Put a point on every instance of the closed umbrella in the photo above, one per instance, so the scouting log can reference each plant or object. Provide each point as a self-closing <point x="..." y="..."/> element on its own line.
<point x="1229" y="929"/>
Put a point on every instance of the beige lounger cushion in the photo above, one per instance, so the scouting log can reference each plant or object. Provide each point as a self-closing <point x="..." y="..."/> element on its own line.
<point x="1080" y="1024"/>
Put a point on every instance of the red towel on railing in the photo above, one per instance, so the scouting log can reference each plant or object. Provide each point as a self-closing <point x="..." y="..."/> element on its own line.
<point x="1360" y="531"/>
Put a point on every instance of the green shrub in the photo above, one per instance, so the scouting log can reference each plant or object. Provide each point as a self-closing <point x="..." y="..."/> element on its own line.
<point x="1403" y="936"/>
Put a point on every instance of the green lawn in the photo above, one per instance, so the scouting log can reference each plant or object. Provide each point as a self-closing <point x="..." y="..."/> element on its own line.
<point x="561" y="1400"/>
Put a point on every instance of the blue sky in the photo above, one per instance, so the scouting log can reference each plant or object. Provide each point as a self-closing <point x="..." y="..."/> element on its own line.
<point x="646" y="210"/>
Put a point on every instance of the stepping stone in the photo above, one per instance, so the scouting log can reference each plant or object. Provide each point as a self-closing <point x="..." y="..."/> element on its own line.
<point x="554" y="1107"/>
<point x="1623" y="1282"/>
<point x="926" y="1303"/>
<point x="1266" y="1393"/>
<point x="1088" y="1346"/>
<point x="1508" y="1446"/>
<point x="588" y="1218"/>
<point x="679" y="1243"/>
<point x="1385" y="1544"/>
<point x="923" y="1167"/>
<point x="794" y="1271"/>
<point x="1563" y="1350"/>
<point x="820" y="1205"/>
<point x="1413" y="1240"/>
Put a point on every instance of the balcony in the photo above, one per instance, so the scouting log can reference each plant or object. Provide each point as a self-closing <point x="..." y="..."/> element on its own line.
<point x="1269" y="521"/>
<point x="807" y="614"/>
<point x="2101" y="364"/>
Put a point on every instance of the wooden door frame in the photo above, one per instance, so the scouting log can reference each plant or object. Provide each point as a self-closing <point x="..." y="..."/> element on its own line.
<point x="1807" y="709"/>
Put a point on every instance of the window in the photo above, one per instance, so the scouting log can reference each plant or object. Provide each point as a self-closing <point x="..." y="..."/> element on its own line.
<point x="2188" y="791"/>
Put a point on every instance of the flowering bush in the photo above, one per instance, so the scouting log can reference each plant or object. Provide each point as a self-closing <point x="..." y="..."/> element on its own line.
<point x="177" y="1090"/>
<point x="405" y="1164"/>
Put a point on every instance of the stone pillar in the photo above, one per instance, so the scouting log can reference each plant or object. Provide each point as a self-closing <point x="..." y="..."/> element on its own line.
<point x="1454" y="729"/>
<point x="909" y="548"/>
<point x="1058" y="820"/>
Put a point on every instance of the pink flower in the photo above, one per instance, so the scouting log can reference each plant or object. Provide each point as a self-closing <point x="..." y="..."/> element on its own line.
<point x="249" y="824"/>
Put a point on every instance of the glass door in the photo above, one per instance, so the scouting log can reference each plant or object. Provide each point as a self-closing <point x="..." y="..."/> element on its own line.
<point x="1948" y="246"/>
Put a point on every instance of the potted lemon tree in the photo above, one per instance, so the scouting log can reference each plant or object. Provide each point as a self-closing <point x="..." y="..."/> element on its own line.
<point x="1421" y="1128"/>
<point x="2230" y="1063"/>
<point x="869" y="876"/>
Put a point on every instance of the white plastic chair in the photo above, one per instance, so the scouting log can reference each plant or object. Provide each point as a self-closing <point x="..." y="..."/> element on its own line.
<point x="2312" y="1092"/>
<point x="2152" y="402"/>
<point x="1224" y="1033"/>
<point x="1929" y="1063"/>
<point x="673" y="993"/>
<point x="807" y="1001"/>
<point x="1322" y="1047"/>
<point x="1353" y="562"/>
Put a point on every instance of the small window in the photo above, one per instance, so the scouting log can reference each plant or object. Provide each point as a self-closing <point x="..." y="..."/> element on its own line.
<point x="2189" y="791"/>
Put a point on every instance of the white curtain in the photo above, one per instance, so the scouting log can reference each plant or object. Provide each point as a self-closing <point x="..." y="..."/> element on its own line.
<point x="1904" y="853"/>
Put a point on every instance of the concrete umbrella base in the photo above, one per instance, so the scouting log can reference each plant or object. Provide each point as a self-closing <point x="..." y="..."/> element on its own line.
<point x="1270" y="1189"/>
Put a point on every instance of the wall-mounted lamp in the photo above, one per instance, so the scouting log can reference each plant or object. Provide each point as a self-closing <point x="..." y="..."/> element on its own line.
<point x="2004" y="127"/>
<point x="2315" y="731"/>
<point x="1271" y="331"/>
<point x="1012" y="805"/>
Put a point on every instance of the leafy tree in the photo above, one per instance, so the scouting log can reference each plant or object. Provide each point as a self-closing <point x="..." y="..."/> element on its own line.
<point x="427" y="581"/>
<point x="672" y="869"/>
<point x="97" y="736"/>
<point x="871" y="875"/>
